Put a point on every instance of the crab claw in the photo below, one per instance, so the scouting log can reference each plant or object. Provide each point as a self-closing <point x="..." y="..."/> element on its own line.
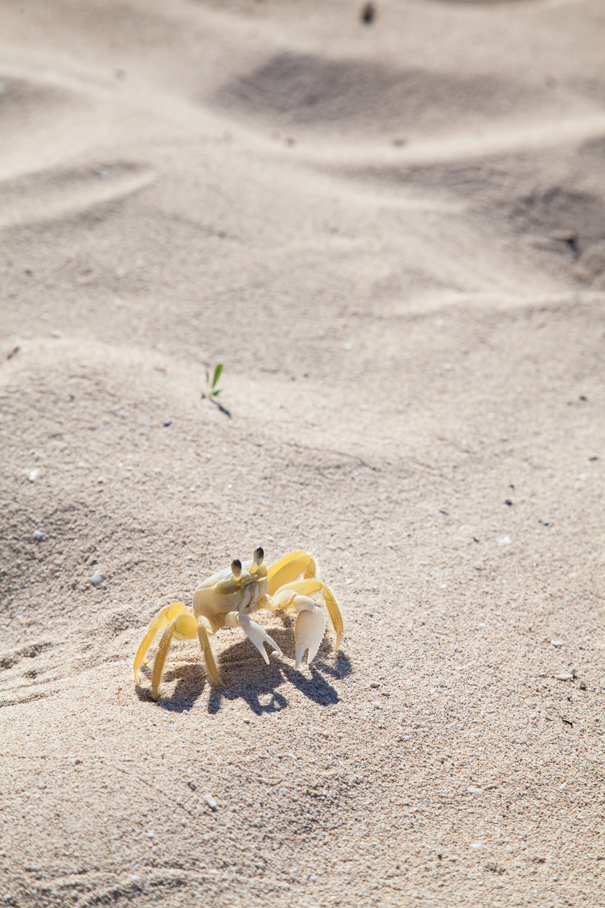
<point x="258" y="636"/>
<point x="308" y="633"/>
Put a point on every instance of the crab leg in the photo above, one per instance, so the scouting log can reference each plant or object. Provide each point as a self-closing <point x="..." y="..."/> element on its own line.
<point x="288" y="569"/>
<point x="308" y="588"/>
<point x="184" y="627"/>
<point x="160" y="659"/>
<point x="209" y="659"/>
<point x="254" y="632"/>
<point x="163" y="618"/>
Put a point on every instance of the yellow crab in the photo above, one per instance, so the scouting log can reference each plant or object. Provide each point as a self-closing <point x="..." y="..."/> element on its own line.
<point x="229" y="597"/>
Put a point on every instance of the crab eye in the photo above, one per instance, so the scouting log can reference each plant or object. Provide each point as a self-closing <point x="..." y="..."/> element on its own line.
<point x="236" y="567"/>
<point x="259" y="555"/>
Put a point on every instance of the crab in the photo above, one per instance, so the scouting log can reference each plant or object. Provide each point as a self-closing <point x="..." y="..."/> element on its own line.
<point x="228" y="598"/>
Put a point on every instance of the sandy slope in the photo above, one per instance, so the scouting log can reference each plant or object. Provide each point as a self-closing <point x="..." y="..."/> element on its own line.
<point x="393" y="236"/>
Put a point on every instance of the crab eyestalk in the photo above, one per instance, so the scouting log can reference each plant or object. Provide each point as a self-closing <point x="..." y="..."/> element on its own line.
<point x="236" y="567"/>
<point x="258" y="568"/>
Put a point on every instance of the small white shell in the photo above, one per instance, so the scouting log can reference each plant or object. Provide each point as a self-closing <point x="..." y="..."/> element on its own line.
<point x="211" y="802"/>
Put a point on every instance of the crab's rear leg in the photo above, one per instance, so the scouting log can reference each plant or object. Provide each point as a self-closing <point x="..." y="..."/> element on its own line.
<point x="308" y="588"/>
<point x="184" y="627"/>
<point x="288" y="568"/>
<point x="162" y="619"/>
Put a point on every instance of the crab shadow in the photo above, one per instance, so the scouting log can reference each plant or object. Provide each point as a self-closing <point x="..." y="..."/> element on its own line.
<point x="247" y="677"/>
<point x="191" y="683"/>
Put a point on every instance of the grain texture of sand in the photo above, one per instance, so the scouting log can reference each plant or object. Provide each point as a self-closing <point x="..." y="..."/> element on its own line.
<point x="392" y="234"/>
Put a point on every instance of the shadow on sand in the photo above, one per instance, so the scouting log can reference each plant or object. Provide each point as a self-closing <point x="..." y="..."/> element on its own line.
<point x="247" y="677"/>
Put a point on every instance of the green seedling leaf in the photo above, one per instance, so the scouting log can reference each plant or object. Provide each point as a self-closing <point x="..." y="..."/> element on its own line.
<point x="217" y="374"/>
<point x="211" y="390"/>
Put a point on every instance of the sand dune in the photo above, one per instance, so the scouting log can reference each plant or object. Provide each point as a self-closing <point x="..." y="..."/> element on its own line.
<point x="60" y="193"/>
<point x="393" y="236"/>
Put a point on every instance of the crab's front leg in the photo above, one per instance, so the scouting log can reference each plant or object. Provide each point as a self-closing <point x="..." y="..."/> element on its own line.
<point x="211" y="666"/>
<point x="254" y="632"/>
<point x="310" y="624"/>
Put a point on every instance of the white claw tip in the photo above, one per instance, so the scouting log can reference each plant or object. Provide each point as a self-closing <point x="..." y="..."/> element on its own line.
<point x="300" y="651"/>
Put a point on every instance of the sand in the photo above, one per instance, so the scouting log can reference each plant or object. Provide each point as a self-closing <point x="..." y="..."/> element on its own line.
<point x="392" y="235"/>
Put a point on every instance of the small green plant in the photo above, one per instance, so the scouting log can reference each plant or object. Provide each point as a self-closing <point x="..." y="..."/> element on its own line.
<point x="211" y="389"/>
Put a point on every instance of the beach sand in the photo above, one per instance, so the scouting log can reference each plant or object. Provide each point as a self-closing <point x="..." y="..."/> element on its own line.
<point x="392" y="235"/>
